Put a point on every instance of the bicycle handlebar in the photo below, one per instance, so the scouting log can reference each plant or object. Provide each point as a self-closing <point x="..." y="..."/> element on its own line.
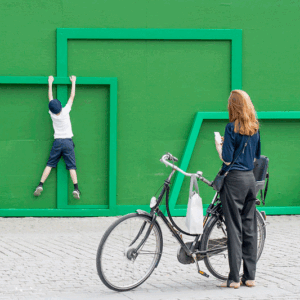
<point x="210" y="183"/>
<point x="169" y="156"/>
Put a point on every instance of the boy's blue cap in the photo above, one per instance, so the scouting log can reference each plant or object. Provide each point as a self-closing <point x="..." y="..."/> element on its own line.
<point x="55" y="106"/>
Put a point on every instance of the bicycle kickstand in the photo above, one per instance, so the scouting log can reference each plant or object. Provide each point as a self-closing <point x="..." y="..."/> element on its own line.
<point x="197" y="266"/>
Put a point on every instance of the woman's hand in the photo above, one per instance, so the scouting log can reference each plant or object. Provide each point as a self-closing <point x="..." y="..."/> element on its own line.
<point x="219" y="145"/>
<point x="219" y="149"/>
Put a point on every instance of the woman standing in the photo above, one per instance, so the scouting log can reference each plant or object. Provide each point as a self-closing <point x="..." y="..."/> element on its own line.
<point x="238" y="152"/>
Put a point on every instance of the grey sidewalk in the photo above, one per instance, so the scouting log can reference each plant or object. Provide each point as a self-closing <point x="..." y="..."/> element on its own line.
<point x="54" y="258"/>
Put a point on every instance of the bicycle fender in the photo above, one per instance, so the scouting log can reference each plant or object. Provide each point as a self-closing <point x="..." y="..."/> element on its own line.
<point x="142" y="212"/>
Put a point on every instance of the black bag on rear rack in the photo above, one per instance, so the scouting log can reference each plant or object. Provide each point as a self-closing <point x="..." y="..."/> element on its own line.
<point x="261" y="174"/>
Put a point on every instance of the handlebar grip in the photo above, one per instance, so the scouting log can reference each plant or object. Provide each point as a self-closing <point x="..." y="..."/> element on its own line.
<point x="210" y="183"/>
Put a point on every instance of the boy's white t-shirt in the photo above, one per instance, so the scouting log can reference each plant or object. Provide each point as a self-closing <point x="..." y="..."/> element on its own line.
<point x="62" y="123"/>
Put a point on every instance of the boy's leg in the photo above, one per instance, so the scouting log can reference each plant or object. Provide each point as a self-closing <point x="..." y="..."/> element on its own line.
<point x="76" y="192"/>
<point x="73" y="176"/>
<point x="68" y="154"/>
<point x="45" y="175"/>
<point x="55" y="155"/>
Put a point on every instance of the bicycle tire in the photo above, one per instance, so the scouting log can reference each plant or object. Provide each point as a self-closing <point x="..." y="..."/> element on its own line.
<point x="217" y="264"/>
<point x="114" y="261"/>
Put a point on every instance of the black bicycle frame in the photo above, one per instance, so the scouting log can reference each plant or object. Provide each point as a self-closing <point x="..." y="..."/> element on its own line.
<point x="212" y="209"/>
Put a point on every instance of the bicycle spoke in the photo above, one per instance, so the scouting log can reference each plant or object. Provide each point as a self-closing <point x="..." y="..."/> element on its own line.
<point x="149" y="252"/>
<point x="216" y="258"/>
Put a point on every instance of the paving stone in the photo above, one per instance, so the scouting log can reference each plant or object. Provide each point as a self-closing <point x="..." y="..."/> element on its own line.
<point x="54" y="258"/>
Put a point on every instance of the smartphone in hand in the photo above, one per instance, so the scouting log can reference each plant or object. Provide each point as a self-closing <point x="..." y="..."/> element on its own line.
<point x="218" y="138"/>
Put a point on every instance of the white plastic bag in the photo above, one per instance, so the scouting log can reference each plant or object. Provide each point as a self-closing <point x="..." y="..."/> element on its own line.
<point x="194" y="214"/>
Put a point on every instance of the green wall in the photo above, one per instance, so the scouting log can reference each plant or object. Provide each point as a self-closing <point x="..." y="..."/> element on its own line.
<point x="161" y="86"/>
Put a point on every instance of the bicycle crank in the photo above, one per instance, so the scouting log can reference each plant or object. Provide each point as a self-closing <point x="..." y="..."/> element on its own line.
<point x="185" y="259"/>
<point x="197" y="266"/>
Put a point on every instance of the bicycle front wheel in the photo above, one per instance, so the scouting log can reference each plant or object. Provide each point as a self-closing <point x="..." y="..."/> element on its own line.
<point x="215" y="242"/>
<point x="124" y="259"/>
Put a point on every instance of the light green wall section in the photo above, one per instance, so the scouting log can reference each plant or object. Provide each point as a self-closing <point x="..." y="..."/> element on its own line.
<point x="287" y="121"/>
<point x="156" y="81"/>
<point x="91" y="129"/>
<point x="161" y="86"/>
<point x="24" y="146"/>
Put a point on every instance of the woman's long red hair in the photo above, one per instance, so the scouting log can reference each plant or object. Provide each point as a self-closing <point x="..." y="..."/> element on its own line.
<point x="242" y="113"/>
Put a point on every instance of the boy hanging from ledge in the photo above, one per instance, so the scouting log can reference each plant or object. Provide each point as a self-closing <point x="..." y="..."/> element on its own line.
<point x="63" y="144"/>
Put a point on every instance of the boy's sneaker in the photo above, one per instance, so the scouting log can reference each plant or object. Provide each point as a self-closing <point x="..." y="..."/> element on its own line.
<point x="38" y="191"/>
<point x="76" y="194"/>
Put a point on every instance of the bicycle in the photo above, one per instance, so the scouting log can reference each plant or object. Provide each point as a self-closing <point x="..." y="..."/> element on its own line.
<point x="132" y="246"/>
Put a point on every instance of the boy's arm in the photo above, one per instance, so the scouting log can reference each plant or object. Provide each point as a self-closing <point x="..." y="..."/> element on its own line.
<point x="50" y="81"/>
<point x="71" y="99"/>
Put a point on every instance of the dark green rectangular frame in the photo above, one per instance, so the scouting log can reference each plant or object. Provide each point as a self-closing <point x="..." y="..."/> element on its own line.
<point x="63" y="208"/>
<point x="180" y="210"/>
<point x="232" y="35"/>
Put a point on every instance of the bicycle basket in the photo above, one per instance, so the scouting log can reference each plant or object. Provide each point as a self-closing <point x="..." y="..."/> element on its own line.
<point x="261" y="174"/>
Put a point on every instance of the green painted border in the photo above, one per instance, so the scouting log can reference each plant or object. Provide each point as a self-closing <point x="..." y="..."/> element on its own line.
<point x="62" y="174"/>
<point x="65" y="34"/>
<point x="180" y="210"/>
<point x="70" y="212"/>
<point x="233" y="35"/>
<point x="62" y="37"/>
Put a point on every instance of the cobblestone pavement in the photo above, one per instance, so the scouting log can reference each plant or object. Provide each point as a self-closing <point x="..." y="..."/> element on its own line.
<point x="54" y="258"/>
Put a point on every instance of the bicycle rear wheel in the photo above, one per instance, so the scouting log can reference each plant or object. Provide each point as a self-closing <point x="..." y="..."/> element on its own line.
<point x="215" y="238"/>
<point x="122" y="267"/>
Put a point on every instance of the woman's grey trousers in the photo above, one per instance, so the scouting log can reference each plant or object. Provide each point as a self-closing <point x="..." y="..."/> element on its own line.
<point x="238" y="197"/>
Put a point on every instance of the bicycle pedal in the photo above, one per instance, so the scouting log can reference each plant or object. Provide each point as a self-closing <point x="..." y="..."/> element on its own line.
<point x="203" y="274"/>
<point x="197" y="266"/>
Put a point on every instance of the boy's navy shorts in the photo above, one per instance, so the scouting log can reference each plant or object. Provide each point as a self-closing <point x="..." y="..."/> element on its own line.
<point x="64" y="148"/>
